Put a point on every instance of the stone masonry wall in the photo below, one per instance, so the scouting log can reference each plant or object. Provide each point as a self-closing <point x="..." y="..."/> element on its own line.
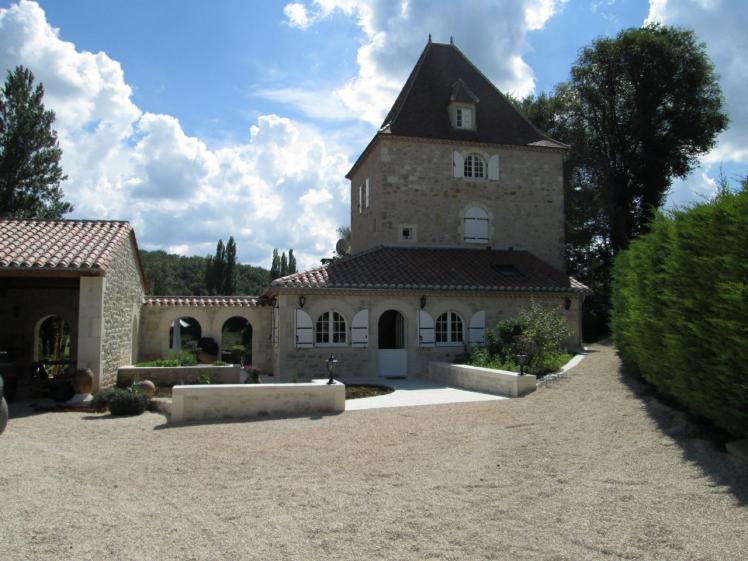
<point x="123" y="298"/>
<point x="306" y="363"/>
<point x="412" y="183"/>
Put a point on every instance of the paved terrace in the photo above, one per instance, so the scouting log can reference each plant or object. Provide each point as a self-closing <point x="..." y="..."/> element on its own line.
<point x="586" y="468"/>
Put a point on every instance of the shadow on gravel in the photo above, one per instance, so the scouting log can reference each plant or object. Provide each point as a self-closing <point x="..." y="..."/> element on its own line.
<point x="312" y="417"/>
<point x="700" y="442"/>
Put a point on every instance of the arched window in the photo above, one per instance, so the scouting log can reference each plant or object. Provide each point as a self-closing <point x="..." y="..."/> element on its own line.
<point x="449" y="330"/>
<point x="476" y="225"/>
<point x="330" y="329"/>
<point x="475" y="167"/>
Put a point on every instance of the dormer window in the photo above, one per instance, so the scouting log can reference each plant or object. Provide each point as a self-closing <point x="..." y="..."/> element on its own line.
<point x="475" y="167"/>
<point x="464" y="118"/>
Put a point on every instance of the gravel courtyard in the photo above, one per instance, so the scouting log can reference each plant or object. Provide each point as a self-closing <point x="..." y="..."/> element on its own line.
<point x="585" y="468"/>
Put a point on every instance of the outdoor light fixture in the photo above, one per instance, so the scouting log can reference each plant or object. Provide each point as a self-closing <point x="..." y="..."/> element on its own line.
<point x="522" y="359"/>
<point x="331" y="362"/>
<point x="567" y="303"/>
<point x="423" y="302"/>
<point x="302" y="301"/>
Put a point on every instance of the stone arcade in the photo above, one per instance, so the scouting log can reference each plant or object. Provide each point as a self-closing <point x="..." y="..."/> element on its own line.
<point x="457" y="221"/>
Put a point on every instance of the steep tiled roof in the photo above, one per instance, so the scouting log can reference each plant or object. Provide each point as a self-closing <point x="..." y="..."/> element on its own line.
<point x="441" y="74"/>
<point x="61" y="245"/>
<point x="436" y="269"/>
<point x="204" y="301"/>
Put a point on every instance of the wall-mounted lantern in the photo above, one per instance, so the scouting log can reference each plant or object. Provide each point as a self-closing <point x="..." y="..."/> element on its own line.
<point x="423" y="302"/>
<point x="567" y="303"/>
<point x="302" y="301"/>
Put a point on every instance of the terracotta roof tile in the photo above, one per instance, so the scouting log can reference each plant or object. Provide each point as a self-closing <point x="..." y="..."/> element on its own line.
<point x="204" y="301"/>
<point x="78" y="245"/>
<point x="453" y="269"/>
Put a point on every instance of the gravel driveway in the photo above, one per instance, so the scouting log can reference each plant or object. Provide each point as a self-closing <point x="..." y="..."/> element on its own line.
<point x="584" y="468"/>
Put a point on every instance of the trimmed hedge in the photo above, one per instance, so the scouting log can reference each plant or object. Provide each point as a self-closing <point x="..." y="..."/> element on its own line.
<point x="680" y="308"/>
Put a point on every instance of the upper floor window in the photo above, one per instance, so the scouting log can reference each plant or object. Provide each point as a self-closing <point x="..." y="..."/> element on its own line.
<point x="449" y="329"/>
<point x="475" y="167"/>
<point x="464" y="118"/>
<point x="330" y="329"/>
<point x="476" y="225"/>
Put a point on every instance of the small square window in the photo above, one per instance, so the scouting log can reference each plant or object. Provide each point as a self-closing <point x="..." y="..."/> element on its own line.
<point x="407" y="233"/>
<point x="464" y="119"/>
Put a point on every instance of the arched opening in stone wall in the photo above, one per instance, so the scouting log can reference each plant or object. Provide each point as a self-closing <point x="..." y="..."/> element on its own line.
<point x="236" y="341"/>
<point x="53" y="344"/>
<point x="184" y="336"/>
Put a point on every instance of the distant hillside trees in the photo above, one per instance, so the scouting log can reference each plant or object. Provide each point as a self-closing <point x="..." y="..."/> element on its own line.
<point x="170" y="274"/>
<point x="30" y="171"/>
<point x="281" y="265"/>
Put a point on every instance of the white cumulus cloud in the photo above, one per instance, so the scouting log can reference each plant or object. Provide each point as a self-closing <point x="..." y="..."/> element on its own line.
<point x="492" y="34"/>
<point x="282" y="187"/>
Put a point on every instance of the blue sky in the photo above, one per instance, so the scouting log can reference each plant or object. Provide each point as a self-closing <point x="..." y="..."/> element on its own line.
<point x="196" y="121"/>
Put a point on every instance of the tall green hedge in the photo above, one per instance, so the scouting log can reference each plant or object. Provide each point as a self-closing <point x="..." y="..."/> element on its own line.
<point x="680" y="308"/>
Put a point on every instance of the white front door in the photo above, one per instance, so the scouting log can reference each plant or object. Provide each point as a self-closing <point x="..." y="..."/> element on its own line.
<point x="393" y="362"/>
<point x="393" y="354"/>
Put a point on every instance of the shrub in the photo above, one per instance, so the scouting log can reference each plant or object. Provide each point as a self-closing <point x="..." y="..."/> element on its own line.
<point x="185" y="358"/>
<point x="203" y="378"/>
<point x="120" y="401"/>
<point x="537" y="332"/>
<point x="679" y="308"/>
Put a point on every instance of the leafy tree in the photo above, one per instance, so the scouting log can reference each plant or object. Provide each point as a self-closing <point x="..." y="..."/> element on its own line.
<point x="637" y="112"/>
<point x="30" y="171"/>
<point x="291" y="263"/>
<point x="344" y="233"/>
<point x="283" y="265"/>
<point x="230" y="277"/>
<point x="275" y="266"/>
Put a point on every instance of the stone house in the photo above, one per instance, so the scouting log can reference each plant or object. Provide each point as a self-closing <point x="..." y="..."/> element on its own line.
<point x="457" y="222"/>
<point x="85" y="276"/>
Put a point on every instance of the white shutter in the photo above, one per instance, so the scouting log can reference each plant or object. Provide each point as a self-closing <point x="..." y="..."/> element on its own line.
<point x="360" y="330"/>
<point x="458" y="164"/>
<point x="360" y="198"/>
<point x="493" y="167"/>
<point x="276" y="316"/>
<point x="476" y="225"/>
<point x="304" y="330"/>
<point x="478" y="328"/>
<point x="367" y="193"/>
<point x="425" y="329"/>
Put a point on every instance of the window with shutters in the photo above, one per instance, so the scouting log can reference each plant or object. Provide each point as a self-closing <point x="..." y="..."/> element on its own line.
<point x="476" y="225"/>
<point x="330" y="329"/>
<point x="449" y="329"/>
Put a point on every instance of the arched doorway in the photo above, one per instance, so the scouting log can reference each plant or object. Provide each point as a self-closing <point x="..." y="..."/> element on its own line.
<point x="184" y="336"/>
<point x="236" y="341"/>
<point x="53" y="344"/>
<point x="393" y="353"/>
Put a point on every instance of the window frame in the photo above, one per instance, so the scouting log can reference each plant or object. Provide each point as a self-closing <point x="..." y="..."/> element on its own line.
<point x="460" y="114"/>
<point x="452" y="319"/>
<point x="334" y="326"/>
<point x="469" y="167"/>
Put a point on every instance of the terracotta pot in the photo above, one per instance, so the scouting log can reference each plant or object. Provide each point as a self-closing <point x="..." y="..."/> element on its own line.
<point x="146" y="387"/>
<point x="83" y="381"/>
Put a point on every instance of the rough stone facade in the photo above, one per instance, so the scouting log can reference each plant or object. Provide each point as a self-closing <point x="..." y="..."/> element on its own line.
<point x="123" y="298"/>
<point x="306" y="363"/>
<point x="411" y="183"/>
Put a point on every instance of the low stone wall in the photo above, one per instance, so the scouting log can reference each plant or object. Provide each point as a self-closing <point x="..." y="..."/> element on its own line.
<point x="170" y="375"/>
<point x="477" y="379"/>
<point x="238" y="401"/>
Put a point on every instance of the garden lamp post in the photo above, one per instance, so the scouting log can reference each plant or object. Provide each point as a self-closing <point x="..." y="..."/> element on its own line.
<point x="522" y="359"/>
<point x="331" y="362"/>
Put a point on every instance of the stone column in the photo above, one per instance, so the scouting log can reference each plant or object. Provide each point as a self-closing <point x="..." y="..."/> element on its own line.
<point x="91" y="327"/>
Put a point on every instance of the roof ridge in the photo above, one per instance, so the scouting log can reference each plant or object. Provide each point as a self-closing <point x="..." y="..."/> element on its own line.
<point x="63" y="220"/>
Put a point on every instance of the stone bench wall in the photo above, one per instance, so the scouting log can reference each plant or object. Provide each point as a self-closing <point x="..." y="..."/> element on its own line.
<point x="477" y="379"/>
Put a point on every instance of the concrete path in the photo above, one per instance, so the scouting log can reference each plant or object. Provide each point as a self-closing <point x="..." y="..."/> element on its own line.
<point x="410" y="392"/>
